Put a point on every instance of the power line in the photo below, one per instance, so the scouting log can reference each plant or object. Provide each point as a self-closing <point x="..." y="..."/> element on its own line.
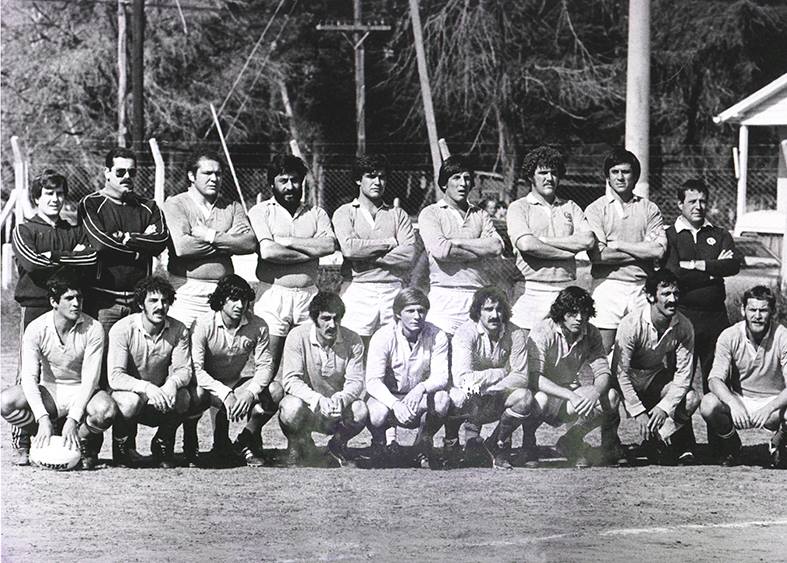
<point x="185" y="7"/>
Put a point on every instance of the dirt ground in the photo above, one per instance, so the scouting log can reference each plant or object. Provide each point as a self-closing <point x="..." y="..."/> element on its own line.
<point x="555" y="513"/>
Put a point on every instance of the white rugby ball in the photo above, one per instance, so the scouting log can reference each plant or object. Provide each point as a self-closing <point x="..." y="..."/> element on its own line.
<point x="55" y="455"/>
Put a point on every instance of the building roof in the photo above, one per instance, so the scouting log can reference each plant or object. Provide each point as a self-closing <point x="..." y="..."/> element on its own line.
<point x="767" y="106"/>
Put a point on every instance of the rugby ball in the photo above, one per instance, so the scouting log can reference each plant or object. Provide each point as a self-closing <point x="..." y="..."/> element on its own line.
<point x="55" y="455"/>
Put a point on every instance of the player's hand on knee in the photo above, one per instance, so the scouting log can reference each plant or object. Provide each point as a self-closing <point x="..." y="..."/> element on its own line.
<point x="70" y="435"/>
<point x="45" y="431"/>
<point x="582" y="405"/>
<point x="643" y="421"/>
<point x="740" y="418"/>
<point x="170" y="391"/>
<point x="243" y="405"/>
<point x="229" y="404"/>
<point x="403" y="413"/>
<point x="413" y="398"/>
<point x="760" y="417"/>
<point x="656" y="419"/>
<point x="335" y="411"/>
<point x="157" y="398"/>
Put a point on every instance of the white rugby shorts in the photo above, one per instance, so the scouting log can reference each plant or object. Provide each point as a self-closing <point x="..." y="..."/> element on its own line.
<point x="614" y="299"/>
<point x="449" y="307"/>
<point x="282" y="308"/>
<point x="368" y="305"/>
<point x="533" y="302"/>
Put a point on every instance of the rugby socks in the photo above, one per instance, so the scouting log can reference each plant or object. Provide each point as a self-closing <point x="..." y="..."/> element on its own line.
<point x="20" y="417"/>
<point x="509" y="420"/>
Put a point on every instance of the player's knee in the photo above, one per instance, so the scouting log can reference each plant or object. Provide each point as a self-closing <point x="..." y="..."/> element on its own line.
<point x="129" y="405"/>
<point x="521" y="402"/>
<point x="276" y="392"/>
<point x="103" y="411"/>
<point x="541" y="399"/>
<point x="199" y="399"/>
<point x="360" y="412"/>
<point x="457" y="397"/>
<point x="442" y="403"/>
<point x="613" y="398"/>
<point x="8" y="401"/>
<point x="692" y="401"/>
<point x="378" y="413"/>
<point x="292" y="412"/>
<point x="710" y="406"/>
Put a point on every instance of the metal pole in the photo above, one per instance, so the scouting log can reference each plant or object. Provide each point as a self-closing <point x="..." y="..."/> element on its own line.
<point x="122" y="73"/>
<point x="138" y="72"/>
<point x="638" y="89"/>
<point x="426" y="92"/>
<point x="743" y="150"/>
<point x="360" y="81"/>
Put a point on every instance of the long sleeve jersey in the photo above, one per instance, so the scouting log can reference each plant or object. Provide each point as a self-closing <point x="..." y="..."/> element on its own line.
<point x="122" y="264"/>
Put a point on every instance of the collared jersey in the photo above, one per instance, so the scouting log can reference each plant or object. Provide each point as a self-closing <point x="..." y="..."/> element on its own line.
<point x="637" y="220"/>
<point x="438" y="224"/>
<point x="550" y="355"/>
<point x="137" y="358"/>
<point x="269" y="220"/>
<point x="752" y="371"/>
<point x="641" y="359"/>
<point x="220" y="353"/>
<point x="394" y="366"/>
<point x="76" y="360"/>
<point x="476" y="356"/>
<point x="312" y="371"/>
<point x="194" y="258"/>
<point x="355" y="227"/>
<point x="532" y="215"/>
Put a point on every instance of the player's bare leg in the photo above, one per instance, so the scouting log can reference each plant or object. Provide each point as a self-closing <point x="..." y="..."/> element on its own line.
<point x="100" y="412"/>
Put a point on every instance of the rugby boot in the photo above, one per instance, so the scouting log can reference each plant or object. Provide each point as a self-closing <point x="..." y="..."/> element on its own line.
<point x="573" y="449"/>
<point x="425" y="456"/>
<point x="499" y="453"/>
<point x="393" y="454"/>
<point x="452" y="451"/>
<point x="20" y="456"/>
<point x="684" y="443"/>
<point x="163" y="450"/>
<point x="731" y="449"/>
<point x="377" y="454"/>
<point x="249" y="447"/>
<point x="124" y="452"/>
<point x="777" y="447"/>
<point x="89" y="448"/>
<point x="613" y="455"/>
<point x="338" y="451"/>
<point x="528" y="456"/>
<point x="295" y="454"/>
<point x="191" y="443"/>
<point x="476" y="453"/>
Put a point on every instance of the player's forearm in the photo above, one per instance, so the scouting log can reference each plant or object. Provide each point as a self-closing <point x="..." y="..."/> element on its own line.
<point x="312" y="247"/>
<point x="236" y="243"/>
<point x="401" y="256"/>
<point x="608" y="255"/>
<point x="377" y="389"/>
<point x="29" y="382"/>
<point x="278" y="254"/>
<point x="631" y="399"/>
<point x="365" y="249"/>
<point x="645" y="250"/>
<point x="719" y="388"/>
<point x="550" y="388"/>
<point x="574" y="243"/>
<point x="487" y="247"/>
<point x="718" y="268"/>
<point x="534" y="246"/>
<point x="120" y="380"/>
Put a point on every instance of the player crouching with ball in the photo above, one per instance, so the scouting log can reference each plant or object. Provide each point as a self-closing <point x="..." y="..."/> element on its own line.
<point x="558" y="349"/>
<point x="61" y="364"/>
<point x="149" y="367"/>
<point x="323" y="377"/>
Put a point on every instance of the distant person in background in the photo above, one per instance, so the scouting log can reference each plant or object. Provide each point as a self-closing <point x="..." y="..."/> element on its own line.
<point x="206" y="230"/>
<point x="489" y="205"/>
<point x="42" y="246"/>
<point x="502" y="211"/>
<point x="379" y="246"/>
<point x="630" y="236"/>
<point x="292" y="236"/>
<point x="748" y="380"/>
<point x="127" y="230"/>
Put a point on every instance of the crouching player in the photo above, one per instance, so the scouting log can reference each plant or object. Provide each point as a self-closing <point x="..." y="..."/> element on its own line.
<point x="221" y="344"/>
<point x="148" y="368"/>
<point x="323" y="378"/>
<point x="558" y="349"/>
<point x="748" y="381"/>
<point x="406" y="378"/>
<point x="653" y="361"/>
<point x="59" y="374"/>
<point x="489" y="367"/>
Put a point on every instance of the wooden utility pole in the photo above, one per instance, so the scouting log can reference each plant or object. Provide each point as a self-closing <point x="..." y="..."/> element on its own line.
<point x="122" y="73"/>
<point x="426" y="92"/>
<point x="638" y="89"/>
<point x="360" y="32"/>
<point x="138" y="73"/>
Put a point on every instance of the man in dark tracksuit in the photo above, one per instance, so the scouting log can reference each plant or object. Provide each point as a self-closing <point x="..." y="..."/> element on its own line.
<point x="43" y="245"/>
<point x="701" y="256"/>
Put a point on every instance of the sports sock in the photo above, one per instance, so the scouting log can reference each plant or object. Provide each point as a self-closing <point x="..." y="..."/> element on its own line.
<point x="21" y="417"/>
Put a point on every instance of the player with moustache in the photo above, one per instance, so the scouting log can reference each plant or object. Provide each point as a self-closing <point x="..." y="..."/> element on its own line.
<point x="222" y="343"/>
<point x="43" y="245"/>
<point x="149" y="369"/>
<point x="630" y="237"/>
<point x="292" y="236"/>
<point x="59" y="374"/>
<point x="489" y="368"/>
<point x="558" y="350"/>
<point x="748" y="381"/>
<point x="407" y="378"/>
<point x="654" y="368"/>
<point x="379" y="246"/>
<point x="323" y="376"/>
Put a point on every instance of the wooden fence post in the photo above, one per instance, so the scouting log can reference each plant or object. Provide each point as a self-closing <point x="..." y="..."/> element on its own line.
<point x="161" y="260"/>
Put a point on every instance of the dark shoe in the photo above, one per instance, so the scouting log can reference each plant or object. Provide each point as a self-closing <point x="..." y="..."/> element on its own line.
<point x="20" y="456"/>
<point x="294" y="456"/>
<point x="425" y="458"/>
<point x="163" y="451"/>
<point x="528" y="457"/>
<point x="377" y="455"/>
<point x="476" y="453"/>
<point x="686" y="458"/>
<point x="124" y="454"/>
<point x="452" y="451"/>
<point x="569" y="448"/>
<point x="249" y="448"/>
<point x="338" y="451"/>
<point x="614" y="456"/>
<point x="191" y="445"/>
<point x="499" y="453"/>
<point x="89" y="448"/>
<point x="730" y="450"/>
<point x="777" y="447"/>
<point x="393" y="454"/>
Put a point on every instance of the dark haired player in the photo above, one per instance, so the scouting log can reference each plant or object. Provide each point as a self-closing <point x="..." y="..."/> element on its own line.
<point x="653" y="365"/>
<point x="748" y="381"/>
<point x="489" y="369"/>
<point x="59" y="373"/>
<point x="379" y="248"/>
<point x="323" y="378"/>
<point x="293" y="236"/>
<point x="149" y="368"/>
<point x="42" y="246"/>
<point x="222" y="343"/>
<point x="557" y="351"/>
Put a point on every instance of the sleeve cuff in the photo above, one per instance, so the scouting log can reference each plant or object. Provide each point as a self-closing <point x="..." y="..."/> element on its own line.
<point x="210" y="236"/>
<point x="635" y="409"/>
<point x="141" y="386"/>
<point x="39" y="412"/>
<point x="76" y="414"/>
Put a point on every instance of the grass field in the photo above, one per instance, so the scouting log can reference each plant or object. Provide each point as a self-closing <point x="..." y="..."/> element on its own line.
<point x="554" y="513"/>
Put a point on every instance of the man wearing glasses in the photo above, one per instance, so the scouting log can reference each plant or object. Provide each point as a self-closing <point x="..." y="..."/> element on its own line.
<point x="127" y="230"/>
